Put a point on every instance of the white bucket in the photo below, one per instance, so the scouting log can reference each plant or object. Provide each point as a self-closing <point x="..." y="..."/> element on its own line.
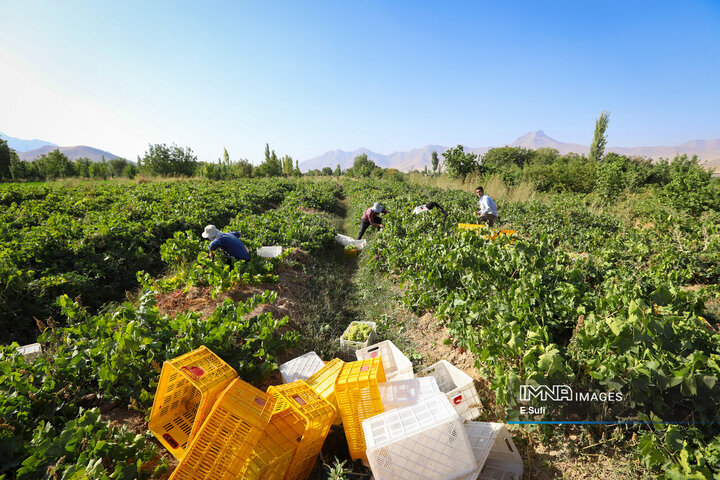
<point x="269" y="252"/>
<point x="344" y="240"/>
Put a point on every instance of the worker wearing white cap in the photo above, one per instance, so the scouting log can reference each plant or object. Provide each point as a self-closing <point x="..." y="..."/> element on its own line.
<point x="371" y="217"/>
<point x="229" y="242"/>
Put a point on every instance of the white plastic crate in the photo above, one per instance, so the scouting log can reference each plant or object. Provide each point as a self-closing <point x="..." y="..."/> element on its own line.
<point x="301" y="368"/>
<point x="30" y="352"/>
<point x="458" y="386"/>
<point x="425" y="441"/>
<point x="495" y="452"/>
<point x="269" y="252"/>
<point x="402" y="393"/>
<point x="397" y="366"/>
<point x="349" y="348"/>
<point x="419" y="209"/>
<point x="344" y="240"/>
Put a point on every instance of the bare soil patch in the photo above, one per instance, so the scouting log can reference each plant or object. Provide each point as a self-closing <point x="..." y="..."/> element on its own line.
<point x="290" y="289"/>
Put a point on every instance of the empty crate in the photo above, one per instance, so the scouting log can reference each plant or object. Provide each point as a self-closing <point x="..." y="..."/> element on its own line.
<point x="273" y="454"/>
<point x="349" y="347"/>
<point x="397" y="366"/>
<point x="307" y="412"/>
<point x="358" y="396"/>
<point x="495" y="452"/>
<point x="223" y="445"/>
<point x="323" y="382"/>
<point x="458" y="386"/>
<point x="301" y="368"/>
<point x="188" y="388"/>
<point x="30" y="352"/>
<point x="269" y="252"/>
<point x="425" y="441"/>
<point x="401" y="393"/>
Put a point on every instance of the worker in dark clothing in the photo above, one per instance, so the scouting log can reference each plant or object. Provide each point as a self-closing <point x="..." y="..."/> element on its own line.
<point x="229" y="242"/>
<point x="430" y="206"/>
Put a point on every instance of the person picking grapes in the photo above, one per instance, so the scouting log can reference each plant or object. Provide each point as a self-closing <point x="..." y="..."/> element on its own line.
<point x="371" y="217"/>
<point x="229" y="242"/>
<point x="429" y="206"/>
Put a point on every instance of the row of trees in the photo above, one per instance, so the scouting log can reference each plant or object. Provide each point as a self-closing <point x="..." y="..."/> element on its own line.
<point x="55" y="165"/>
<point x="173" y="161"/>
<point x="159" y="160"/>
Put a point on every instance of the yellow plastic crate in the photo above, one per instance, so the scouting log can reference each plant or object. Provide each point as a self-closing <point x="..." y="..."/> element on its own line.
<point x="189" y="386"/>
<point x="224" y="443"/>
<point x="323" y="382"/>
<point x="471" y="226"/>
<point x="314" y="414"/>
<point x="507" y="233"/>
<point x="272" y="456"/>
<point x="358" y="397"/>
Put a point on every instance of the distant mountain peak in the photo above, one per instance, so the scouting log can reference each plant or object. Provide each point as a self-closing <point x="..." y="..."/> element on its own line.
<point x="536" y="139"/>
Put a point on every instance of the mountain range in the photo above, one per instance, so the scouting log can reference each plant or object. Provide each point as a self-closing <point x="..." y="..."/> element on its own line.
<point x="708" y="151"/>
<point x="29" y="150"/>
<point x="73" y="153"/>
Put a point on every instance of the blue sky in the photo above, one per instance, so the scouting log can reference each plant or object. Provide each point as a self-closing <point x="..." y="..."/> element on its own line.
<point x="308" y="77"/>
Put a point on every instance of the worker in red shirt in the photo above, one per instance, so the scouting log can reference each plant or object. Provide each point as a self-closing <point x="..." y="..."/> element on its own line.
<point x="371" y="217"/>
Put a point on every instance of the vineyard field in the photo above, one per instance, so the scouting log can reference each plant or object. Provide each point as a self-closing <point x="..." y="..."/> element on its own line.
<point x="618" y="299"/>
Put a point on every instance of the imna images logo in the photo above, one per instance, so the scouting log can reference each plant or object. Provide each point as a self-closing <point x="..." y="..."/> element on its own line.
<point x="564" y="393"/>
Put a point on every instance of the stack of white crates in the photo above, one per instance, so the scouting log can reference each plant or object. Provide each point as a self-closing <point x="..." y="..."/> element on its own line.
<point x="427" y="431"/>
<point x="424" y="441"/>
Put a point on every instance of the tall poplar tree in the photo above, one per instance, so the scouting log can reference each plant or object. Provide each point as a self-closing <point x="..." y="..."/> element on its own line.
<point x="597" y="149"/>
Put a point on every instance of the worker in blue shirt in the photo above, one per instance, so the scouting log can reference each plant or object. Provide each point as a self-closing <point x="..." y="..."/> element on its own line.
<point x="229" y="242"/>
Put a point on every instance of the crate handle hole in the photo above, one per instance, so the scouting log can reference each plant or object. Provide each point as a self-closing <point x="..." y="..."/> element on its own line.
<point x="508" y="445"/>
<point x="170" y="440"/>
<point x="260" y="401"/>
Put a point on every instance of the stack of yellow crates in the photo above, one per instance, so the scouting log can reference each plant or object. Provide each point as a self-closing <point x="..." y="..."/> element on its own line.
<point x="358" y="397"/>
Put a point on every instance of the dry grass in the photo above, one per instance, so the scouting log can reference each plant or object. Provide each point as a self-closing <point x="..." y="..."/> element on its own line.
<point x="493" y="186"/>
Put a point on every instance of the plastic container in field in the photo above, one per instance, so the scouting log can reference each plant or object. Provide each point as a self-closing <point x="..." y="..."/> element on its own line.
<point x="425" y="441"/>
<point x="420" y="209"/>
<point x="30" y="352"/>
<point x="188" y="388"/>
<point x="273" y="454"/>
<point x="224" y="444"/>
<point x="323" y="382"/>
<point x="495" y="452"/>
<point x="269" y="252"/>
<point x="301" y="368"/>
<point x="358" y="396"/>
<point x="349" y="347"/>
<point x="307" y="412"/>
<point x="396" y="365"/>
<point x="471" y="226"/>
<point x="402" y="393"/>
<point x="344" y="240"/>
<point x="457" y="385"/>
